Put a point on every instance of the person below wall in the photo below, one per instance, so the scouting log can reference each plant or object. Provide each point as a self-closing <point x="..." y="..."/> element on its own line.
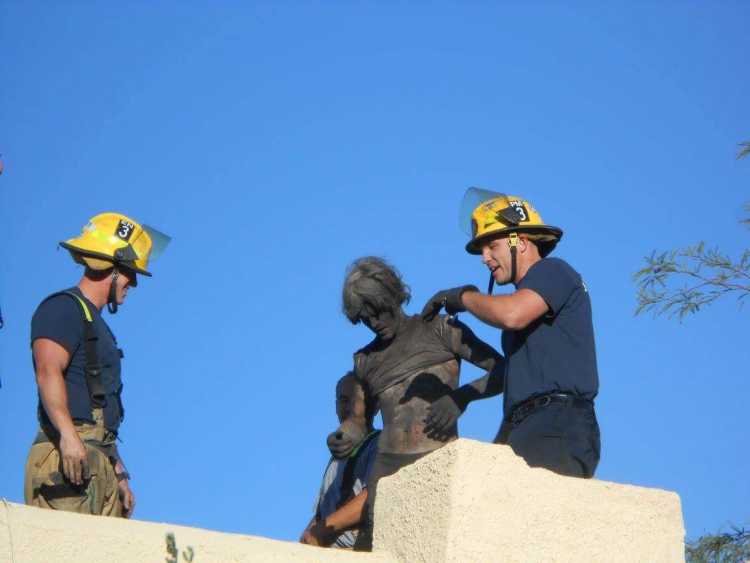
<point x="338" y="510"/>
<point x="409" y="365"/>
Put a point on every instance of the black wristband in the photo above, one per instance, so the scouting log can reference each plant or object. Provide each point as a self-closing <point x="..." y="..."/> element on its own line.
<point x="122" y="476"/>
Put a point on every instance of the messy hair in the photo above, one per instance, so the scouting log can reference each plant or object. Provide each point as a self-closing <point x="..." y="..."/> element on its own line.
<point x="373" y="281"/>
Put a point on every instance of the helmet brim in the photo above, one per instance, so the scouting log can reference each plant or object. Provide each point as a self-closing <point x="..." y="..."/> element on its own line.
<point x="100" y="256"/>
<point x="474" y="246"/>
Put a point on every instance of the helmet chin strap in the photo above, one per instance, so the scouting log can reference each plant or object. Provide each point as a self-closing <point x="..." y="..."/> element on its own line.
<point x="513" y="244"/>
<point x="112" y="299"/>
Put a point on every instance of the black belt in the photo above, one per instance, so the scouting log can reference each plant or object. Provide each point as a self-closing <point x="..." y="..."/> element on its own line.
<point x="524" y="409"/>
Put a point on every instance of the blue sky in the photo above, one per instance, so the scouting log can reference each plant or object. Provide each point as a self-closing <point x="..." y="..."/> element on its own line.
<point x="278" y="142"/>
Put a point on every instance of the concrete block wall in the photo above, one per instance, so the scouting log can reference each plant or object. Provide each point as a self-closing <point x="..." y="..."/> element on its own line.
<point x="472" y="501"/>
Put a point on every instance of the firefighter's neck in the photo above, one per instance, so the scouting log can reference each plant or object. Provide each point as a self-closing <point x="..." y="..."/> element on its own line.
<point x="95" y="286"/>
<point x="526" y="256"/>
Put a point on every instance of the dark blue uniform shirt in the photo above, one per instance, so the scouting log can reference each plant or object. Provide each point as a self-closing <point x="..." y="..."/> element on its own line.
<point x="556" y="352"/>
<point x="60" y="319"/>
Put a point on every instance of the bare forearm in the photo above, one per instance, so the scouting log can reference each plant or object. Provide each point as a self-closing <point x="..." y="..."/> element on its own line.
<point x="324" y="532"/>
<point x="348" y="516"/>
<point x="495" y="310"/>
<point x="50" y="361"/>
<point x="55" y="399"/>
<point x="509" y="312"/>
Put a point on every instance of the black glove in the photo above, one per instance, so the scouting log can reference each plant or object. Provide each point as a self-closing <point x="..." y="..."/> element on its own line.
<point x="344" y="439"/>
<point x="448" y="298"/>
<point x="442" y="416"/>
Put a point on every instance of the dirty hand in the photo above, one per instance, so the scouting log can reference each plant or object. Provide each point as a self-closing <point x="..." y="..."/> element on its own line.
<point x="127" y="498"/>
<point x="305" y="531"/>
<point x="340" y="444"/>
<point x="442" y="416"/>
<point x="319" y="534"/>
<point x="309" y="538"/>
<point x="344" y="439"/>
<point x="448" y="298"/>
<point x="74" y="461"/>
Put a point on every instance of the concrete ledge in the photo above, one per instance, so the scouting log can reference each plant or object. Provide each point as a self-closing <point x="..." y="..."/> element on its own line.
<point x="33" y="535"/>
<point x="471" y="501"/>
<point x="468" y="501"/>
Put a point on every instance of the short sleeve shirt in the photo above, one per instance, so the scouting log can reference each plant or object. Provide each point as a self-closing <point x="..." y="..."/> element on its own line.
<point x="420" y="344"/>
<point x="60" y="319"/>
<point x="555" y="353"/>
<point x="331" y="495"/>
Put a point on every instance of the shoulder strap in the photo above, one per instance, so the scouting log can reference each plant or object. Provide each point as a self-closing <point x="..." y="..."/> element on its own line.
<point x="93" y="367"/>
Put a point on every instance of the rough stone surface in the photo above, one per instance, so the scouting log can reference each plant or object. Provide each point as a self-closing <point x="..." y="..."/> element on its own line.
<point x="34" y="535"/>
<point x="471" y="501"/>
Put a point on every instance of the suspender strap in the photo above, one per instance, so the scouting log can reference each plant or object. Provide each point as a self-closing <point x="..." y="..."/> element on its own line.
<point x="93" y="367"/>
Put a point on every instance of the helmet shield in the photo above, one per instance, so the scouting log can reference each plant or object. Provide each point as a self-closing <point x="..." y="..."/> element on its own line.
<point x="159" y="242"/>
<point x="473" y="198"/>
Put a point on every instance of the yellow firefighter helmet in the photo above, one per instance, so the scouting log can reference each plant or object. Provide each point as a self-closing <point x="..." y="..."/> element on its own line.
<point x="113" y="239"/>
<point x="486" y="215"/>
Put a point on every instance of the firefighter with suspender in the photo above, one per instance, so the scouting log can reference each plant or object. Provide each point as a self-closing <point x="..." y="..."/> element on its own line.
<point x="74" y="464"/>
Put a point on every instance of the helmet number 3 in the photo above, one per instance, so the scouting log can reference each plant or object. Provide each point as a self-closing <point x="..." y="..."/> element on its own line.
<point x="520" y="209"/>
<point x="125" y="230"/>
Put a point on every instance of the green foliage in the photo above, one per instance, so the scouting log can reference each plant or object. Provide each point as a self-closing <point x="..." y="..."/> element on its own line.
<point x="710" y="274"/>
<point x="707" y="274"/>
<point x="174" y="553"/>
<point x="731" y="547"/>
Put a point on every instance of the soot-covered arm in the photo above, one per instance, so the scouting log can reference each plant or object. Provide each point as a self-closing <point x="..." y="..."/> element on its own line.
<point x="445" y="411"/>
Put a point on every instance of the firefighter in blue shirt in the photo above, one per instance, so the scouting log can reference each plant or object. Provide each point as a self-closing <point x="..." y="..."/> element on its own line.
<point x="550" y="378"/>
<point x="74" y="464"/>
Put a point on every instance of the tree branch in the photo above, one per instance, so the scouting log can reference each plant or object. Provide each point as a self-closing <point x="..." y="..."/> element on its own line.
<point x="715" y="273"/>
<point x="719" y="548"/>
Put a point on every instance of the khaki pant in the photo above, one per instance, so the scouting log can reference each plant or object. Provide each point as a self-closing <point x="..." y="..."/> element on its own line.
<point x="45" y="486"/>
